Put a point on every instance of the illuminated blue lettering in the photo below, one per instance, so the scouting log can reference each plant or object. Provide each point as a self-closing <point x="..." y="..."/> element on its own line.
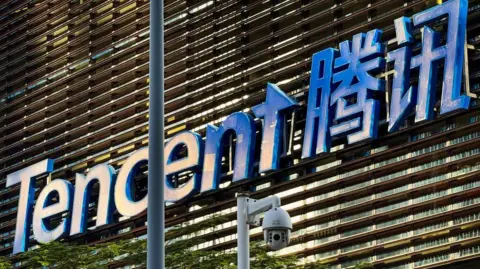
<point x="244" y="127"/>
<point x="341" y="103"/>
<point x="453" y="53"/>
<point x="194" y="148"/>
<point x="359" y="57"/>
<point x="104" y="174"/>
<point x="403" y="31"/>
<point x="45" y="208"/>
<point x="403" y="100"/>
<point x="357" y="113"/>
<point x="428" y="63"/>
<point x="26" y="178"/>
<point x="276" y="104"/>
<point x="124" y="195"/>
<point x="316" y="139"/>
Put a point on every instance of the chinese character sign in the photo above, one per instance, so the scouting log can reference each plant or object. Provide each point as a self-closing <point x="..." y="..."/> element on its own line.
<point x="341" y="100"/>
<point x="346" y="86"/>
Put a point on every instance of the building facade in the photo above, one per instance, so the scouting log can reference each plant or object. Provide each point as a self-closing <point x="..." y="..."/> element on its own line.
<point x="74" y="88"/>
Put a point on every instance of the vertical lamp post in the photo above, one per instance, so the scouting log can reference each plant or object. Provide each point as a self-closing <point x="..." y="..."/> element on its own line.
<point x="156" y="203"/>
<point x="277" y="222"/>
<point x="243" y="230"/>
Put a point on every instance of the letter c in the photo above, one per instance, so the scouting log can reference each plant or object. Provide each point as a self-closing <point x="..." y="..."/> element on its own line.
<point x="124" y="196"/>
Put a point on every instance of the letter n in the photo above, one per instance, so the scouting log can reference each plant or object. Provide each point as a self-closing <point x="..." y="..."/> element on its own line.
<point x="104" y="174"/>
<point x="244" y="127"/>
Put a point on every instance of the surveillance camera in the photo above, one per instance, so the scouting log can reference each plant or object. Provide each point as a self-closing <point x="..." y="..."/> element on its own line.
<point x="277" y="227"/>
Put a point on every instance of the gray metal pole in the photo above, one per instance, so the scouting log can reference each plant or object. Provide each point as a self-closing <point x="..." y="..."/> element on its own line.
<point x="243" y="232"/>
<point x="156" y="198"/>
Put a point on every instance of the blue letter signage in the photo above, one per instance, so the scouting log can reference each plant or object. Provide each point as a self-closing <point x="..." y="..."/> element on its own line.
<point x="194" y="148"/>
<point x="46" y="208"/>
<point x="26" y="178"/>
<point x="105" y="175"/>
<point x="243" y="126"/>
<point x="272" y="112"/>
<point x="343" y="101"/>
<point x="345" y="79"/>
<point x="124" y="192"/>
<point x="403" y="100"/>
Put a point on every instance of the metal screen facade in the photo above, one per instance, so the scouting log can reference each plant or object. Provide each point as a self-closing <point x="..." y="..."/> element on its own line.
<point x="74" y="88"/>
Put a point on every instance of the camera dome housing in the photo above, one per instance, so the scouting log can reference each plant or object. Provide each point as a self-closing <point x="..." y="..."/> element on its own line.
<point x="277" y="228"/>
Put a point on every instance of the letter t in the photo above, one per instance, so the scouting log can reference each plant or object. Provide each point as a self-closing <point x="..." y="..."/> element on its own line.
<point x="26" y="178"/>
<point x="277" y="103"/>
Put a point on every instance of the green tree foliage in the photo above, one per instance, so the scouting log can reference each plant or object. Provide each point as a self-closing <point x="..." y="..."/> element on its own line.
<point x="68" y="256"/>
<point x="320" y="265"/>
<point x="5" y="263"/>
<point x="179" y="254"/>
<point x="363" y="265"/>
<point x="317" y="265"/>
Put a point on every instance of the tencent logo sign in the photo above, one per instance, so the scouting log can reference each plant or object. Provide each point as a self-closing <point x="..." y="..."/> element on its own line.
<point x="343" y="101"/>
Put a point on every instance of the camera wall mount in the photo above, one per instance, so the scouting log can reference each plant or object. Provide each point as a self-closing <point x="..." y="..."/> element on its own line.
<point x="248" y="213"/>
